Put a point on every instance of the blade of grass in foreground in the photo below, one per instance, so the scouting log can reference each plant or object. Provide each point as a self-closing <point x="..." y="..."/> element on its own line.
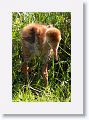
<point x="53" y="67"/>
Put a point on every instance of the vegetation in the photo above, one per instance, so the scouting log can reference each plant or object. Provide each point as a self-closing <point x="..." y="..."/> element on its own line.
<point x="59" y="88"/>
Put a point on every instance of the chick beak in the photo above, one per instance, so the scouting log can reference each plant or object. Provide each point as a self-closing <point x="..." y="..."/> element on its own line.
<point x="55" y="55"/>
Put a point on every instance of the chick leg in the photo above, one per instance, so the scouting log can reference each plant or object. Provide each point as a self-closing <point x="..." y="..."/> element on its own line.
<point x="45" y="74"/>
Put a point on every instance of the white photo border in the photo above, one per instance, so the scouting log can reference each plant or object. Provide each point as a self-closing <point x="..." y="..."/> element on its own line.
<point x="76" y="104"/>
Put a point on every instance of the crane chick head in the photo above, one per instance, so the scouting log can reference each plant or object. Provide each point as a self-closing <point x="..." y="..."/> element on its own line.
<point x="53" y="36"/>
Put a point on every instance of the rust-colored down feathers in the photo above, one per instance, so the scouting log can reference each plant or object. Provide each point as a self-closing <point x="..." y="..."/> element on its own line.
<point x="40" y="40"/>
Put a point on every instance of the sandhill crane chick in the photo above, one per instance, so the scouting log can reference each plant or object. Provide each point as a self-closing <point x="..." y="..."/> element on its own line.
<point x="40" y="40"/>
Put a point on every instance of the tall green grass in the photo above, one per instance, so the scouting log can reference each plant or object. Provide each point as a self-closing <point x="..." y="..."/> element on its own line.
<point x="59" y="88"/>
